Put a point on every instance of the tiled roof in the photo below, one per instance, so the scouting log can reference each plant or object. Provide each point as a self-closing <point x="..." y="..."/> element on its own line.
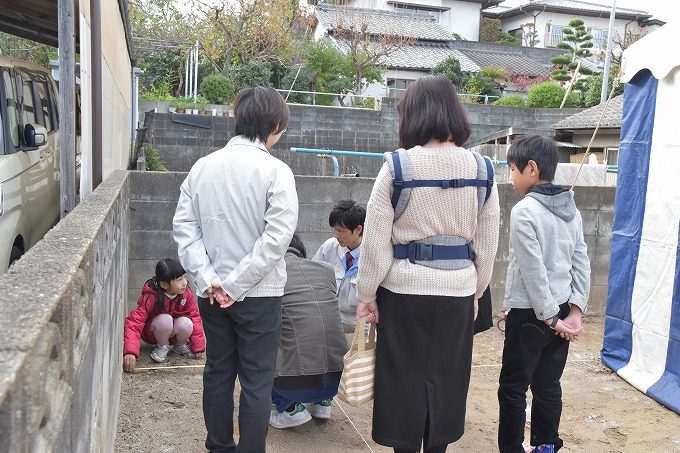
<point x="411" y="24"/>
<point x="567" y="6"/>
<point x="510" y="60"/>
<point x="588" y="118"/>
<point x="418" y="55"/>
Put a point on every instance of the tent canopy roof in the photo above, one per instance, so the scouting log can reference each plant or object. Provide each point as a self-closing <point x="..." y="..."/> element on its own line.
<point x="657" y="52"/>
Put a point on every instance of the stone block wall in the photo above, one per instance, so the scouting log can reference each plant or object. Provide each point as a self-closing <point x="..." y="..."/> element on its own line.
<point x="62" y="330"/>
<point x="337" y="128"/>
<point x="154" y="198"/>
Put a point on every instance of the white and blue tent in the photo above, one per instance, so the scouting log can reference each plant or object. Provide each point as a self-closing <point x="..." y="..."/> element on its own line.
<point x="642" y="326"/>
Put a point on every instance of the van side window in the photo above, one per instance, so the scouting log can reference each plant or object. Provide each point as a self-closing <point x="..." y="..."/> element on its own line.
<point x="44" y="105"/>
<point x="12" y="114"/>
<point x="28" y="111"/>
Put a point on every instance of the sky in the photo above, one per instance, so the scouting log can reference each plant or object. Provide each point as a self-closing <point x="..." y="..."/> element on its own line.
<point x="664" y="10"/>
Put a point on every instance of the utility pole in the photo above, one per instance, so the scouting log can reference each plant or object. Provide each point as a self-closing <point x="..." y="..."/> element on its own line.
<point x="608" y="57"/>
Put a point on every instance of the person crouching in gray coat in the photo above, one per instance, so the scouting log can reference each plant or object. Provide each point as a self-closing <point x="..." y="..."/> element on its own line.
<point x="312" y="342"/>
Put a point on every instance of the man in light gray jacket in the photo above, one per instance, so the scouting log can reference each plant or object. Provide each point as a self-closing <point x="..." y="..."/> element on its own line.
<point x="236" y="215"/>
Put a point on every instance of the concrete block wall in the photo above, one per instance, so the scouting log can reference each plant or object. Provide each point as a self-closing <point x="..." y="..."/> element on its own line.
<point x="320" y="127"/>
<point x="154" y="198"/>
<point x="62" y="329"/>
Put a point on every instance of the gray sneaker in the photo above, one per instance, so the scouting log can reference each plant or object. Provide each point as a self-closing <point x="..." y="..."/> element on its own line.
<point x="160" y="353"/>
<point x="184" y="350"/>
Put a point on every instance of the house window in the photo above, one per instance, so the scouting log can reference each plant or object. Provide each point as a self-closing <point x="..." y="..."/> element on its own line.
<point x="396" y="87"/>
<point x="434" y="13"/>
<point x="555" y="35"/>
<point x="611" y="156"/>
<point x="599" y="38"/>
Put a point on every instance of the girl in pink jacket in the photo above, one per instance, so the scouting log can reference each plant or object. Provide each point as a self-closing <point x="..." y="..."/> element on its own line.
<point x="166" y="315"/>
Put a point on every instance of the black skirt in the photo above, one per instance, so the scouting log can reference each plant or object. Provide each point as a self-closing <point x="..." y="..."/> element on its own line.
<point x="422" y="372"/>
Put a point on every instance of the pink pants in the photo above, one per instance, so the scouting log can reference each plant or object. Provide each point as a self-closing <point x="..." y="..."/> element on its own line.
<point x="164" y="327"/>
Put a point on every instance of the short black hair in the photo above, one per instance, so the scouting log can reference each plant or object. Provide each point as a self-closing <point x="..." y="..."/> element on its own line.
<point x="540" y="149"/>
<point x="429" y="109"/>
<point x="347" y="214"/>
<point x="259" y="112"/>
<point x="297" y="244"/>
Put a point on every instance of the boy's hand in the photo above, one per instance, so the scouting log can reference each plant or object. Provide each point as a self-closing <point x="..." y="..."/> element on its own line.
<point x="567" y="331"/>
<point x="129" y="361"/>
<point x="574" y="322"/>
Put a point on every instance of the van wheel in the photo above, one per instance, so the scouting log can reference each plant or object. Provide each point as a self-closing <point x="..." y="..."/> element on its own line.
<point x="15" y="255"/>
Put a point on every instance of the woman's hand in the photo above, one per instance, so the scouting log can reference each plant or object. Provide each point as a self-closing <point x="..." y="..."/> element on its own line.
<point x="198" y="354"/>
<point x="129" y="361"/>
<point x="368" y="309"/>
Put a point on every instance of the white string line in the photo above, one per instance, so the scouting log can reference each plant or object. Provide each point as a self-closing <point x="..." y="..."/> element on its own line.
<point x="352" y="423"/>
<point x="495" y="365"/>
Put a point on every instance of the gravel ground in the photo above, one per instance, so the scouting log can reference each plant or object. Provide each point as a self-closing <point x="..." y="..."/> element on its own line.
<point x="160" y="411"/>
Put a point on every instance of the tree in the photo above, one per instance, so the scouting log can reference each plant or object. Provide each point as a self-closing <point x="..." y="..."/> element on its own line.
<point x="297" y="79"/>
<point x="450" y="68"/>
<point x="254" y="73"/>
<point x="578" y="42"/>
<point x="529" y="34"/>
<point x="333" y="70"/>
<point x="25" y="49"/>
<point x="490" y="31"/>
<point x="241" y="31"/>
<point x="621" y="42"/>
<point x="366" y="47"/>
<point x="217" y="89"/>
<point x="549" y="95"/>
<point x="163" y="36"/>
<point x="592" y="89"/>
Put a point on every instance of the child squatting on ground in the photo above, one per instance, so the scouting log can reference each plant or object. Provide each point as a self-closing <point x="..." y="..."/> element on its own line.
<point x="546" y="290"/>
<point x="166" y="315"/>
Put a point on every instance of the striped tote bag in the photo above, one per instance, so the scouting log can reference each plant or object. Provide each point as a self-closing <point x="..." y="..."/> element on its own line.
<point x="356" y="383"/>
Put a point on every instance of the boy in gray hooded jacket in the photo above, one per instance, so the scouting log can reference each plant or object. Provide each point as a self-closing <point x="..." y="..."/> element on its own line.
<point x="546" y="288"/>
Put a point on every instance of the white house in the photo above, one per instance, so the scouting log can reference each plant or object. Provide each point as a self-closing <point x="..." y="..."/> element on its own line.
<point x="550" y="17"/>
<point x="433" y="43"/>
<point x="458" y="17"/>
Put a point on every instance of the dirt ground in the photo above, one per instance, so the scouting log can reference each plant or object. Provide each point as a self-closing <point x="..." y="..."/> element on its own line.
<point x="160" y="411"/>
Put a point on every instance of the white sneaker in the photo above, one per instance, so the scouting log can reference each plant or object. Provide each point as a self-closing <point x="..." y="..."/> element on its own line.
<point x="320" y="409"/>
<point x="282" y="420"/>
<point x="160" y="353"/>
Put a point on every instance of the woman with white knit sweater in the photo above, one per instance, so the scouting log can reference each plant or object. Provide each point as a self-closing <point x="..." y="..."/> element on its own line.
<point x="425" y="303"/>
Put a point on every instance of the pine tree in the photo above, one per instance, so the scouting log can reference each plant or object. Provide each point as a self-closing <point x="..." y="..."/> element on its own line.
<point x="578" y="42"/>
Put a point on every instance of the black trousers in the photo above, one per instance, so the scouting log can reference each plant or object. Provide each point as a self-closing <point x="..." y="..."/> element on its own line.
<point x="532" y="356"/>
<point x="241" y="340"/>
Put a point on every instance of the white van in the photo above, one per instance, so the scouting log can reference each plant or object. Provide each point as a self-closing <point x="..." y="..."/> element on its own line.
<point x="29" y="157"/>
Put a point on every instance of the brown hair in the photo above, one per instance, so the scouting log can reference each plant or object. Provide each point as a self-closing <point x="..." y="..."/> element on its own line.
<point x="259" y="112"/>
<point x="429" y="109"/>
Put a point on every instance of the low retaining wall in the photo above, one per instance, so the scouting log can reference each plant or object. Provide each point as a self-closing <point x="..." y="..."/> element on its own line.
<point x="62" y="331"/>
<point x="320" y="127"/>
<point x="155" y="194"/>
